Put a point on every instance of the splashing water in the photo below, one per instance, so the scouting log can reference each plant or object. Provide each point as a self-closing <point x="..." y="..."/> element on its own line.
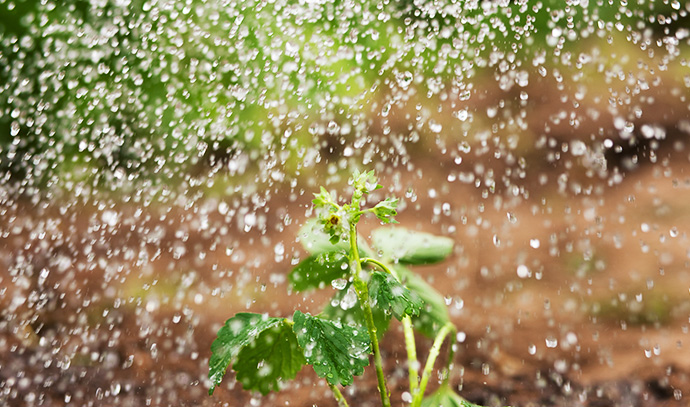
<point x="157" y="157"/>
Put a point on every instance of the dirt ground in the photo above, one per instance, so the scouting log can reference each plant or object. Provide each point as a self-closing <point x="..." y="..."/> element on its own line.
<point x="600" y="319"/>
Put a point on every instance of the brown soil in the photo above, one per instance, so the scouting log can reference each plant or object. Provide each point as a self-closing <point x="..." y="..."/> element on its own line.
<point x="601" y="319"/>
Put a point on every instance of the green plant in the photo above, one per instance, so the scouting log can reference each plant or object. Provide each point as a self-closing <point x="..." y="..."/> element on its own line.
<point x="371" y="288"/>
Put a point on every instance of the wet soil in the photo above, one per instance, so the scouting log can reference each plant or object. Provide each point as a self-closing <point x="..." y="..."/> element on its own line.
<point x="99" y="313"/>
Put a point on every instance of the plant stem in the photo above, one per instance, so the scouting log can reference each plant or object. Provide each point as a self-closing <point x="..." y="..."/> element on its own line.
<point x="429" y="366"/>
<point x="363" y="297"/>
<point x="412" y="362"/>
<point x="451" y="355"/>
<point x="338" y="396"/>
<point x="381" y="265"/>
<point x="408" y="330"/>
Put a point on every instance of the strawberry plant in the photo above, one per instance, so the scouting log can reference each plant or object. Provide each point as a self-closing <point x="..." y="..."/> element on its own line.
<point x="372" y="287"/>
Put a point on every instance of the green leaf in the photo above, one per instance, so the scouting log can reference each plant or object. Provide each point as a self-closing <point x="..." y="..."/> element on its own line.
<point x="316" y="241"/>
<point x="274" y="356"/>
<point x="324" y="199"/>
<point x="434" y="314"/>
<point x="411" y="247"/>
<point x="364" y="182"/>
<point x="387" y="293"/>
<point x="238" y="332"/>
<point x="444" y="396"/>
<point x="354" y="316"/>
<point x="337" y="352"/>
<point x="386" y="210"/>
<point x="318" y="270"/>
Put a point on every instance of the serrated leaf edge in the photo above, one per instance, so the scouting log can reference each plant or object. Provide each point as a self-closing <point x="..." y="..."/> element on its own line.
<point x="219" y="363"/>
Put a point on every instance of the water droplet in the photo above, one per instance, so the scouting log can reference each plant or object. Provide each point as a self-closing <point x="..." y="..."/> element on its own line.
<point x="435" y="126"/>
<point x="523" y="271"/>
<point x="551" y="342"/>
<point x="339" y="283"/>
<point x="571" y="338"/>
<point x="462" y="115"/>
<point x="279" y="252"/>
<point x="349" y="300"/>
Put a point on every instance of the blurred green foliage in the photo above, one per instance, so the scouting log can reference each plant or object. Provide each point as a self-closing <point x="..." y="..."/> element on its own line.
<point x="650" y="308"/>
<point x="99" y="93"/>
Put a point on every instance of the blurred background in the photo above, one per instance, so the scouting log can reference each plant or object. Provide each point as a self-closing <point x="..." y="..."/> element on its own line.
<point x="157" y="159"/>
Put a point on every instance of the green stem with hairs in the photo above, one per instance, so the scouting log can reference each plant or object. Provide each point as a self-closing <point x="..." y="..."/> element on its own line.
<point x="338" y="396"/>
<point x="380" y="265"/>
<point x="451" y="356"/>
<point x="363" y="297"/>
<point x="429" y="366"/>
<point x="408" y="331"/>
<point x="412" y="362"/>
